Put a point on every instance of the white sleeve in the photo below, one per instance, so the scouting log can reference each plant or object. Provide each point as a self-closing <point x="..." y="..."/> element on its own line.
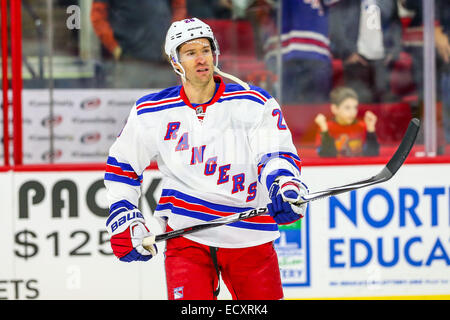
<point x="128" y="157"/>
<point x="271" y="141"/>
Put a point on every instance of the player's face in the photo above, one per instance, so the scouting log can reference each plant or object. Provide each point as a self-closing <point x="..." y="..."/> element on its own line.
<point x="346" y="111"/>
<point x="196" y="57"/>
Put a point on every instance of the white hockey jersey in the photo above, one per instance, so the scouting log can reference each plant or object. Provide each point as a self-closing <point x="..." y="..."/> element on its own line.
<point x="214" y="166"/>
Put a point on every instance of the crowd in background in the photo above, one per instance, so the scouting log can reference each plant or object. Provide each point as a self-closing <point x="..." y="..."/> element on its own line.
<point x="372" y="48"/>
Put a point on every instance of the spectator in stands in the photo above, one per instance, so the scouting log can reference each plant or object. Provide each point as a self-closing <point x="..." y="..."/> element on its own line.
<point x="415" y="49"/>
<point x="261" y="15"/>
<point x="413" y="42"/>
<point x="366" y="36"/>
<point x="209" y="9"/>
<point x="306" y="58"/>
<point x="133" y="32"/>
<point x="345" y="135"/>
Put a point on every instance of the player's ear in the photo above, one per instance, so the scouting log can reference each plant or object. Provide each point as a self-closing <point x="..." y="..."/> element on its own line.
<point x="174" y="64"/>
<point x="334" y="108"/>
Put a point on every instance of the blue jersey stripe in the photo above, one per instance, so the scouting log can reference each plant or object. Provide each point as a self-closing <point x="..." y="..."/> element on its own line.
<point x="232" y="87"/>
<point x="171" y="92"/>
<point x="124" y="166"/>
<point x="243" y="96"/>
<point x="160" y="108"/>
<point x="272" y="175"/>
<point x="255" y="226"/>
<point x="122" y="179"/>
<point x="271" y="156"/>
<point x="208" y="217"/>
<point x="210" y="205"/>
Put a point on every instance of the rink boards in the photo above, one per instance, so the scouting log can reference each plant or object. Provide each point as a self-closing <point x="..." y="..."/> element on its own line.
<point x="389" y="240"/>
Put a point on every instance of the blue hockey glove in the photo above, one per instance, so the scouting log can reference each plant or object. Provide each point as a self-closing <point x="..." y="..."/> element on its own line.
<point x="284" y="193"/>
<point x="126" y="226"/>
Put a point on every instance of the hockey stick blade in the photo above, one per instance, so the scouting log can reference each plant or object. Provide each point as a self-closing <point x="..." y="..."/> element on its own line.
<point x="385" y="174"/>
<point x="405" y="147"/>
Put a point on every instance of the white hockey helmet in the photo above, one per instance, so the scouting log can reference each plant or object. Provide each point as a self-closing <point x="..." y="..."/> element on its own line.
<point x="186" y="30"/>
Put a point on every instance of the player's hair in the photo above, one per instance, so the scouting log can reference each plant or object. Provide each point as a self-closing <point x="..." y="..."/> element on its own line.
<point x="339" y="94"/>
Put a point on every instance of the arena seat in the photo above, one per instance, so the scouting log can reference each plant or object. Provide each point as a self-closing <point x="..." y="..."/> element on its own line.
<point x="401" y="78"/>
<point x="338" y="72"/>
<point x="238" y="54"/>
<point x="235" y="37"/>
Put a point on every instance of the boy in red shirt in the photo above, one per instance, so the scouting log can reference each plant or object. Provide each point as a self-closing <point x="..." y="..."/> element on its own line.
<point x="345" y="135"/>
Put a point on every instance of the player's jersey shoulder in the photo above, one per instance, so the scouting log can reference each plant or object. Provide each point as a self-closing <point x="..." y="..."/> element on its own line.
<point x="255" y="94"/>
<point x="165" y="99"/>
<point x="170" y="92"/>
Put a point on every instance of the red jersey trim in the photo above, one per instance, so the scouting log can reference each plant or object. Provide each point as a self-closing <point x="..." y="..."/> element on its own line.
<point x="216" y="96"/>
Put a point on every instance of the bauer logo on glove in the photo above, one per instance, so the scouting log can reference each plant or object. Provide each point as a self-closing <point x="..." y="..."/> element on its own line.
<point x="285" y="193"/>
<point x="133" y="214"/>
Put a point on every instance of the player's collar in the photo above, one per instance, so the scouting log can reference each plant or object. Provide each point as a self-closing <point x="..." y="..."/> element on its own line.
<point x="216" y="96"/>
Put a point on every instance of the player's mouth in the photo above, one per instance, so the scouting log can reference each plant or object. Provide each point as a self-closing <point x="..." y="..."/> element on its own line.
<point x="202" y="71"/>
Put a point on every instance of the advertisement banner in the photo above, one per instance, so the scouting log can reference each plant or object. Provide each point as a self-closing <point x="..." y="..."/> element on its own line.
<point x="293" y="253"/>
<point x="57" y="246"/>
<point x="85" y="123"/>
<point x="390" y="239"/>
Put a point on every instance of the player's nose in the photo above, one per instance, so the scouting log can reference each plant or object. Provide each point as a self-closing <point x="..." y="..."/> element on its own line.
<point x="200" y="59"/>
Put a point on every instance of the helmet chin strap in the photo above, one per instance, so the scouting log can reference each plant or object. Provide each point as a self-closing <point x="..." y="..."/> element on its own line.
<point x="216" y="69"/>
<point x="231" y="77"/>
<point x="181" y="74"/>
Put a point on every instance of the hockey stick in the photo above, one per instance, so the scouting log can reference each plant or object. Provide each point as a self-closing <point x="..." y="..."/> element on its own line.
<point x="385" y="174"/>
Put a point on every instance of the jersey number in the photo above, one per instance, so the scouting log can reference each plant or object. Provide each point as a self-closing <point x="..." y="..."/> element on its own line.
<point x="280" y="125"/>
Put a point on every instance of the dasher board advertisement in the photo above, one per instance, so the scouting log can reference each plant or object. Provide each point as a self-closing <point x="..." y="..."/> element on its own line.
<point x="387" y="240"/>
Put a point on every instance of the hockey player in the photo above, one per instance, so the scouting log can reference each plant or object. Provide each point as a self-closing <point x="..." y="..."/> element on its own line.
<point x="223" y="148"/>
